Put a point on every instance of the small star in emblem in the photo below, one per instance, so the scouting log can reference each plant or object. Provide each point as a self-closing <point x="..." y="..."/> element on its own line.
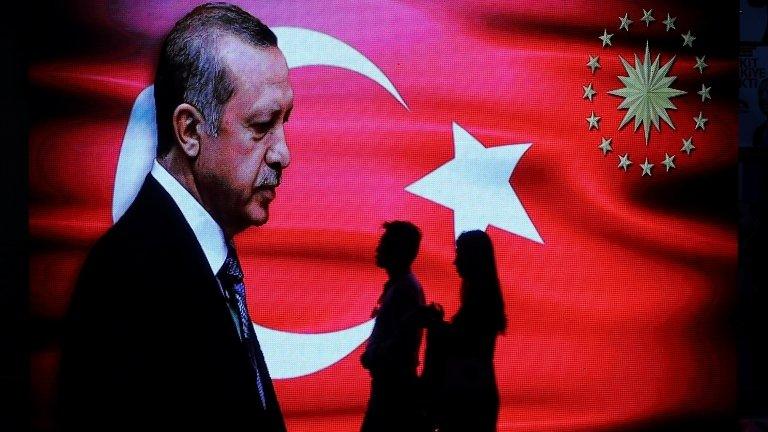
<point x="606" y="38"/>
<point x="669" y="161"/>
<point x="605" y="145"/>
<point x="646" y="168"/>
<point x="669" y="22"/>
<point x="593" y="63"/>
<point x="625" y="22"/>
<point x="647" y="18"/>
<point x="704" y="93"/>
<point x="624" y="161"/>
<point x="589" y="92"/>
<point x="688" y="39"/>
<point x="700" y="120"/>
<point x="593" y="121"/>
<point x="700" y="65"/>
<point x="687" y="146"/>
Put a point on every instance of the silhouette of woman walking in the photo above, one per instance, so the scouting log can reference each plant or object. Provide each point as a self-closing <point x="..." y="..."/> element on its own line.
<point x="459" y="373"/>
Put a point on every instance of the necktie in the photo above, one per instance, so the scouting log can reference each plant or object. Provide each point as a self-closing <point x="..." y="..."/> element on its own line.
<point x="231" y="276"/>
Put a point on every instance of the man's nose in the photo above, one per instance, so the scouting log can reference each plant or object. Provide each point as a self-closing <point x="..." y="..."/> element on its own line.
<point x="278" y="153"/>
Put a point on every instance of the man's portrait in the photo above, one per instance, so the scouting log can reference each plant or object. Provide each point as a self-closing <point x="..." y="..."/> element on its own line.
<point x="158" y="334"/>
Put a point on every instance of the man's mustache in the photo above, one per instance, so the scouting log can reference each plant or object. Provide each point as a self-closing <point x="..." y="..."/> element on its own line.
<point x="269" y="178"/>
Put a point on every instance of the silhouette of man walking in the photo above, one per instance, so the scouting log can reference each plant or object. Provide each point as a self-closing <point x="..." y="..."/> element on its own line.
<point x="391" y="355"/>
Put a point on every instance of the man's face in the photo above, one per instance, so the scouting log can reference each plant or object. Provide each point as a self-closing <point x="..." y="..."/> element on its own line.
<point x="459" y="262"/>
<point x="238" y="170"/>
<point x="384" y="252"/>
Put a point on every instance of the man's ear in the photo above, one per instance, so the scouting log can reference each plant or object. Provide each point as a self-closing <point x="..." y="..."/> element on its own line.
<point x="187" y="123"/>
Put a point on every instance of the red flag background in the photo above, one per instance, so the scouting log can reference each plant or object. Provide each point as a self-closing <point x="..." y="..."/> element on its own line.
<point x="618" y="317"/>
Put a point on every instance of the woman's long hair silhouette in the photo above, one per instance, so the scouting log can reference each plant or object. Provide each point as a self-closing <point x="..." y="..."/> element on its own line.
<point x="481" y="299"/>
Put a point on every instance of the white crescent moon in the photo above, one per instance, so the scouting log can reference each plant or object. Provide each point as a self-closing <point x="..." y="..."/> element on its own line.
<point x="288" y="355"/>
<point x="303" y="47"/>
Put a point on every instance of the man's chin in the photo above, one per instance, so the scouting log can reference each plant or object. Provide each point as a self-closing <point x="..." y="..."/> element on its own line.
<point x="246" y="220"/>
<point x="258" y="216"/>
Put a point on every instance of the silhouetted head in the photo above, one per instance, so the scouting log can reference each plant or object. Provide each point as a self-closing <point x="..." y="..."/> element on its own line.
<point x="474" y="256"/>
<point x="398" y="246"/>
<point x="480" y="289"/>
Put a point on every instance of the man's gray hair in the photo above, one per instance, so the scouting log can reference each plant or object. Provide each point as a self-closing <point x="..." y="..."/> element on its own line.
<point x="191" y="71"/>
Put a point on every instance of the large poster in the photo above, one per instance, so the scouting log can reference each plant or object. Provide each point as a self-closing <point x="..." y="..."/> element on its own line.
<point x="595" y="142"/>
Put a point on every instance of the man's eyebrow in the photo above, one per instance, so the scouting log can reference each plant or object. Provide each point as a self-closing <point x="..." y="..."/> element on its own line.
<point x="267" y="113"/>
<point x="264" y="113"/>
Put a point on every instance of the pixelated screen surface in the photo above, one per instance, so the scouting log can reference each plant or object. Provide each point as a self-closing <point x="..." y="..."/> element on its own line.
<point x="596" y="152"/>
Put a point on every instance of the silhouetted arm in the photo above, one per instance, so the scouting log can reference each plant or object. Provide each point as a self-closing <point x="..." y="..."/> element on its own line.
<point x="397" y="324"/>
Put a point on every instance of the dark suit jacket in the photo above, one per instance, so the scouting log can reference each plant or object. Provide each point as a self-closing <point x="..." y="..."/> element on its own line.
<point x="149" y="341"/>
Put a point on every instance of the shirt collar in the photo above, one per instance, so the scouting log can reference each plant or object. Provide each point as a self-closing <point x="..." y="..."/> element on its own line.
<point x="208" y="233"/>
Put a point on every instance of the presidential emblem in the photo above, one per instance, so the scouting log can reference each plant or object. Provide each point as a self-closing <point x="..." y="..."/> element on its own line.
<point x="646" y="92"/>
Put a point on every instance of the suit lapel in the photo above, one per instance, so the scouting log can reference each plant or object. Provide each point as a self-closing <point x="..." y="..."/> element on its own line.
<point x="184" y="257"/>
<point x="198" y="282"/>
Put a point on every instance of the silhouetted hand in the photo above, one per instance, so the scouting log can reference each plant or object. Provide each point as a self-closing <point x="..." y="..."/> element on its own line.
<point x="437" y="310"/>
<point x="430" y="315"/>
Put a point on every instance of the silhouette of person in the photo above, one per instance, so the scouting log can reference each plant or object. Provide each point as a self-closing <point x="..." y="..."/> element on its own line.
<point x="391" y="355"/>
<point x="760" y="135"/>
<point x="459" y="376"/>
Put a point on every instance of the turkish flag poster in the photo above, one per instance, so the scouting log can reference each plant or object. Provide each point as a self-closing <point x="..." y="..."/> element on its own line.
<point x="595" y="143"/>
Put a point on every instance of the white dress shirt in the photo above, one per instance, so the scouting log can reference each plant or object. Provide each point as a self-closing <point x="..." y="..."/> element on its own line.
<point x="208" y="233"/>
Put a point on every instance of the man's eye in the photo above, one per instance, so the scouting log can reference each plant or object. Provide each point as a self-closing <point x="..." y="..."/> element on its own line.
<point x="261" y="127"/>
<point x="260" y="130"/>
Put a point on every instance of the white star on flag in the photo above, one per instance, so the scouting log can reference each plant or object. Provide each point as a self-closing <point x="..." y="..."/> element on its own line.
<point x="475" y="185"/>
